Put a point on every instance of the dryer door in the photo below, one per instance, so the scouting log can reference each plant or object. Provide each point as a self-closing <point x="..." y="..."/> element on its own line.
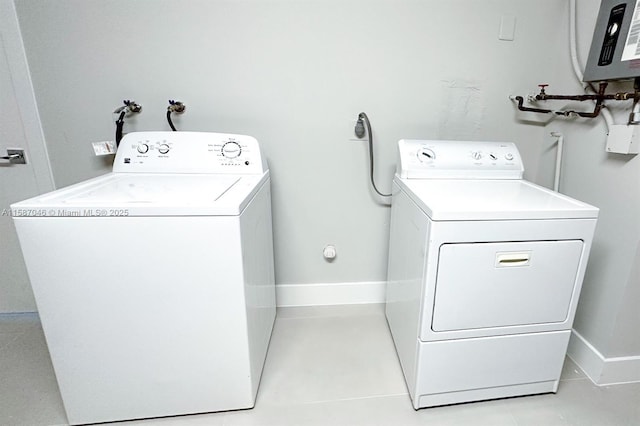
<point x="484" y="285"/>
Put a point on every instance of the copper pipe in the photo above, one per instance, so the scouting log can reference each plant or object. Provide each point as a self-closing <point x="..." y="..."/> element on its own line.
<point x="521" y="106"/>
<point x="598" y="97"/>
<point x="620" y="96"/>
<point x="583" y="114"/>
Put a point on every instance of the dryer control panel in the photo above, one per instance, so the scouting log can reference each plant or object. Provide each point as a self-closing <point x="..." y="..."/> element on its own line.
<point x="438" y="159"/>
<point x="189" y="152"/>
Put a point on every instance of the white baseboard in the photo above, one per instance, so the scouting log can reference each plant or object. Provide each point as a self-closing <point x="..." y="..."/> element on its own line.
<point x="330" y="293"/>
<point x="601" y="370"/>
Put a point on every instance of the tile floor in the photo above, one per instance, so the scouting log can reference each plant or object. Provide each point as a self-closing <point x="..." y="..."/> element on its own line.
<point x="326" y="366"/>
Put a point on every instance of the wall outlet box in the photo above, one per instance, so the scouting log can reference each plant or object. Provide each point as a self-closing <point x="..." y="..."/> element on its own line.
<point x="623" y="139"/>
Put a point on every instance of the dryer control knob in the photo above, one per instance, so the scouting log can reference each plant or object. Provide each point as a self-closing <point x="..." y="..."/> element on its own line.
<point x="426" y="154"/>
<point x="143" y="148"/>
<point x="163" y="149"/>
<point x="508" y="156"/>
<point x="477" y="155"/>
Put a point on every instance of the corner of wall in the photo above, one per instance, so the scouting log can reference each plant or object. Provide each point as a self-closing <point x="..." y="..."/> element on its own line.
<point x="602" y="371"/>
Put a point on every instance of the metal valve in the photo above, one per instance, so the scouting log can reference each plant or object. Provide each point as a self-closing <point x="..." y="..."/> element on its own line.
<point x="542" y="87"/>
<point x="176" y="106"/>
<point x="129" y="107"/>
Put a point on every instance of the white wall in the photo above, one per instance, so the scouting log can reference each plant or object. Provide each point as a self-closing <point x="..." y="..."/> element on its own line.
<point x="295" y="74"/>
<point x="607" y="343"/>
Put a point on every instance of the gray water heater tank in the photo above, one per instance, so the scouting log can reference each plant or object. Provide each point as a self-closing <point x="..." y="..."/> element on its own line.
<point x="615" y="47"/>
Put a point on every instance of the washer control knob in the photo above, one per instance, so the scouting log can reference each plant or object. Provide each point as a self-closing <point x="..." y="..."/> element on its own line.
<point x="477" y="155"/>
<point x="508" y="156"/>
<point x="163" y="148"/>
<point x="493" y="157"/>
<point x="231" y="149"/>
<point x="143" y="148"/>
<point x="426" y="154"/>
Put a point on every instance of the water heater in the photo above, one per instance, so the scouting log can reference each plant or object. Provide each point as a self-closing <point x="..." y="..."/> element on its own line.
<point x="615" y="47"/>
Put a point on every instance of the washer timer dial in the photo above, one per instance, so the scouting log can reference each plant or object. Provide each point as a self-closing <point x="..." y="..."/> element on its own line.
<point x="231" y="149"/>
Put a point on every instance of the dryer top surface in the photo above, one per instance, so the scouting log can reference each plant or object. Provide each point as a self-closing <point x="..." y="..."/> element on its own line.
<point x="460" y="199"/>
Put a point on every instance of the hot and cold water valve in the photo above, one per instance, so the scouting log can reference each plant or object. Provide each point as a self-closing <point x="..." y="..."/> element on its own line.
<point x="621" y="139"/>
<point x="110" y="147"/>
<point x="127" y="109"/>
<point x="176" y="107"/>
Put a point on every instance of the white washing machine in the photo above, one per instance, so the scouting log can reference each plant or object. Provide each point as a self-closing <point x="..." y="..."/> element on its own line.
<point x="155" y="283"/>
<point x="485" y="271"/>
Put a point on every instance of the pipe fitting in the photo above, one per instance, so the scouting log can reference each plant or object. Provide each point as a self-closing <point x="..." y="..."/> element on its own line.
<point x="176" y="106"/>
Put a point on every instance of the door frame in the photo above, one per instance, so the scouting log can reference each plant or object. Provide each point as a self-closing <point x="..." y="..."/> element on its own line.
<point x="11" y="38"/>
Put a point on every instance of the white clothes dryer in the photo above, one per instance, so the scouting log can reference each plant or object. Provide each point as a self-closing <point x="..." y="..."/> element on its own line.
<point x="485" y="270"/>
<point x="155" y="283"/>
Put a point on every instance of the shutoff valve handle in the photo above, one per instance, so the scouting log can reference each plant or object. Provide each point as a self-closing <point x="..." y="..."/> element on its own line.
<point x="542" y="87"/>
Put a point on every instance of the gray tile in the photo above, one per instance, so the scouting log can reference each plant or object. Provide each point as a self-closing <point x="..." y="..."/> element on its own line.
<point x="326" y="366"/>
<point x="6" y="339"/>
<point x="13" y="325"/>
<point x="212" y="419"/>
<point x="328" y="358"/>
<point x="486" y="413"/>
<point x="570" y="371"/>
<point x="377" y="411"/>
<point x="370" y="411"/>
<point x="18" y="323"/>
<point x="622" y="400"/>
<point x="28" y="390"/>
<point x="579" y="402"/>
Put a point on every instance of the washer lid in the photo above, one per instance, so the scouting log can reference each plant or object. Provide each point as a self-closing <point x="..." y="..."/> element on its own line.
<point x="449" y="199"/>
<point x="126" y="194"/>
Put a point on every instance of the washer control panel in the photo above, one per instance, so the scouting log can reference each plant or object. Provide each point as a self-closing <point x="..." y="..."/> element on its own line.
<point x="189" y="152"/>
<point x="437" y="159"/>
